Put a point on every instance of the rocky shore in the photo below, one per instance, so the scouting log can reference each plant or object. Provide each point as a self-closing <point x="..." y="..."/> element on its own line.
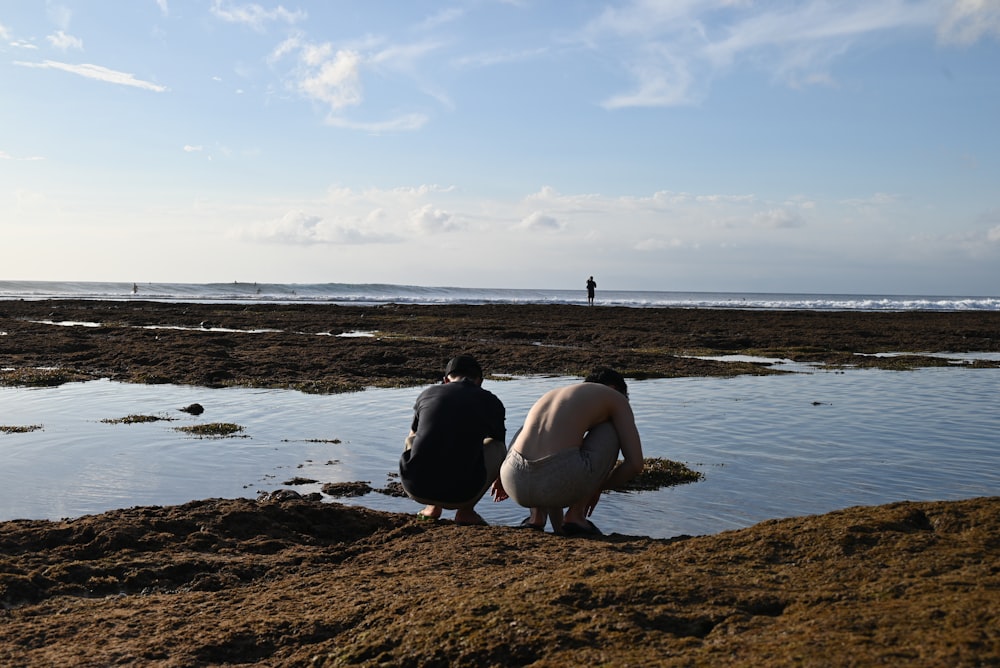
<point x="300" y="583"/>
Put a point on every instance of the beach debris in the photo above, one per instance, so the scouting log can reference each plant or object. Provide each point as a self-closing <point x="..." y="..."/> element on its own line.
<point x="19" y="429"/>
<point x="300" y="481"/>
<point x="342" y="489"/>
<point x="658" y="473"/>
<point x="193" y="409"/>
<point x="212" y="430"/>
<point x="393" y="489"/>
<point x="134" y="419"/>
<point x="279" y="495"/>
<point x="33" y="377"/>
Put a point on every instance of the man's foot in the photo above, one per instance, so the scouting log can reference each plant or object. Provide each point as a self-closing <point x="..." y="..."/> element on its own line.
<point x="526" y="523"/>
<point x="430" y="513"/>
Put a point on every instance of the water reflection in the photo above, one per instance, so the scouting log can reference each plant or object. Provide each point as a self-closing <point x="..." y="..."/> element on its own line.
<point x="772" y="446"/>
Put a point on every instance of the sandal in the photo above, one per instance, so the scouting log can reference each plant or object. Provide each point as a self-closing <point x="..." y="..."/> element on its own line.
<point x="574" y="529"/>
<point x="526" y="524"/>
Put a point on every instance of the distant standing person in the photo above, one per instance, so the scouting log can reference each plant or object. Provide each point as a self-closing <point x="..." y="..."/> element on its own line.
<point x="456" y="444"/>
<point x="591" y="287"/>
<point x="566" y="453"/>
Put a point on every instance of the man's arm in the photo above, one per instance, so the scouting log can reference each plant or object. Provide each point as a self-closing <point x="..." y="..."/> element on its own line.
<point x="631" y="445"/>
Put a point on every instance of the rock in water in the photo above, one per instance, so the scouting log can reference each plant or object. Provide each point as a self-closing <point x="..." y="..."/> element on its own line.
<point x="194" y="409"/>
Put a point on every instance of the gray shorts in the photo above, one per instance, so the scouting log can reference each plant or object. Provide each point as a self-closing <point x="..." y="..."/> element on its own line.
<point x="562" y="479"/>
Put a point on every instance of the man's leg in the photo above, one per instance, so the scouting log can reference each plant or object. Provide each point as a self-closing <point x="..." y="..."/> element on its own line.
<point x="602" y="447"/>
<point x="494" y="452"/>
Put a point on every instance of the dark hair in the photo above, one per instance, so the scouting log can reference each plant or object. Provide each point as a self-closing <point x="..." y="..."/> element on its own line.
<point x="608" y="376"/>
<point x="464" y="366"/>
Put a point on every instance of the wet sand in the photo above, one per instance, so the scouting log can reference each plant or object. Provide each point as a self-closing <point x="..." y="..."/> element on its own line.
<point x="303" y="347"/>
<point x="296" y="583"/>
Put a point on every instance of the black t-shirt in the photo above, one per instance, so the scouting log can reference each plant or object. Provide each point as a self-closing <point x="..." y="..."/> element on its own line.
<point x="445" y="461"/>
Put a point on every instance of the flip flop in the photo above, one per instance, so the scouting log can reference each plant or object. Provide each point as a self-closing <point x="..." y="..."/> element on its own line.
<point x="574" y="529"/>
<point x="426" y="518"/>
<point x="526" y="524"/>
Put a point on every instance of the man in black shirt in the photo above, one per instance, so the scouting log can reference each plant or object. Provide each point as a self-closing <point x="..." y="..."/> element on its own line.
<point x="456" y="444"/>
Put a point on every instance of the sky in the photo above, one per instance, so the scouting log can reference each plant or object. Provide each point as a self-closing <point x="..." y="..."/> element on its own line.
<point x="824" y="146"/>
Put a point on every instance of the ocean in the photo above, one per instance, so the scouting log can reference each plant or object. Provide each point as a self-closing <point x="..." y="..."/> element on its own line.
<point x="378" y="293"/>
<point x="807" y="442"/>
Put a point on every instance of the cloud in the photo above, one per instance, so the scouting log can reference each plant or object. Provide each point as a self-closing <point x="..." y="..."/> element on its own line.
<point x="7" y="156"/>
<point x="97" y="72"/>
<point x="402" y="123"/>
<point x="333" y="78"/>
<point x="253" y="15"/>
<point x="300" y="228"/>
<point x="349" y="217"/>
<point x="64" y="42"/>
<point x="443" y="17"/>
<point x="993" y="234"/>
<point x="431" y="220"/>
<point x="540" y="221"/>
<point x="968" y="21"/>
<point x="162" y="4"/>
<point x="775" y="219"/>
<point x="191" y="149"/>
<point x="673" y="51"/>
<point x="663" y="80"/>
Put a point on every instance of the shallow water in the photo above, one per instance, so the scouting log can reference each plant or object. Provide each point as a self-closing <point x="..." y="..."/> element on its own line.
<point x="769" y="447"/>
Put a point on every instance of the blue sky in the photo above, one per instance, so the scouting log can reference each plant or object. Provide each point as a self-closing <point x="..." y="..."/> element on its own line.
<point x="808" y="146"/>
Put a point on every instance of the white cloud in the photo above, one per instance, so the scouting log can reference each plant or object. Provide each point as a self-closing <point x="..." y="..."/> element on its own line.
<point x="253" y="15"/>
<point x="191" y="149"/>
<point x="333" y="78"/>
<point x="402" y="123"/>
<point x="300" y="228"/>
<point x="7" y="156"/>
<point x="777" y="219"/>
<point x="540" y="221"/>
<point x="162" y="4"/>
<point x="64" y="42"/>
<point x="443" y="17"/>
<point x="968" y="21"/>
<point x="672" y="51"/>
<point x="663" y="80"/>
<point x="97" y="72"/>
<point x="430" y="220"/>
<point x="993" y="234"/>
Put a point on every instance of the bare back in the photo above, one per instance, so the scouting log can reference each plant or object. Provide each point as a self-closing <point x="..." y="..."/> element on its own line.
<point x="561" y="418"/>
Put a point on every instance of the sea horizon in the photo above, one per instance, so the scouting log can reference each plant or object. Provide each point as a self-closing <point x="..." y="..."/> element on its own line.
<point x="386" y="293"/>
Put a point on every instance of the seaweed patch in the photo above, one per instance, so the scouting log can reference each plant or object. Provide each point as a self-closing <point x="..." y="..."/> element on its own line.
<point x="212" y="430"/>
<point x="658" y="473"/>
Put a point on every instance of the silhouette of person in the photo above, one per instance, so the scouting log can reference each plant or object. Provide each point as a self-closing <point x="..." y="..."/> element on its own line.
<point x="591" y="286"/>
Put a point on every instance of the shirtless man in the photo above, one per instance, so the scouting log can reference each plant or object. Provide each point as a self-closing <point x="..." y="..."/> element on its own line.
<point x="564" y="456"/>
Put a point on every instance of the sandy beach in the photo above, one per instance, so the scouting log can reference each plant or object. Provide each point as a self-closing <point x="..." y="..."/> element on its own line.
<point x="296" y="582"/>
